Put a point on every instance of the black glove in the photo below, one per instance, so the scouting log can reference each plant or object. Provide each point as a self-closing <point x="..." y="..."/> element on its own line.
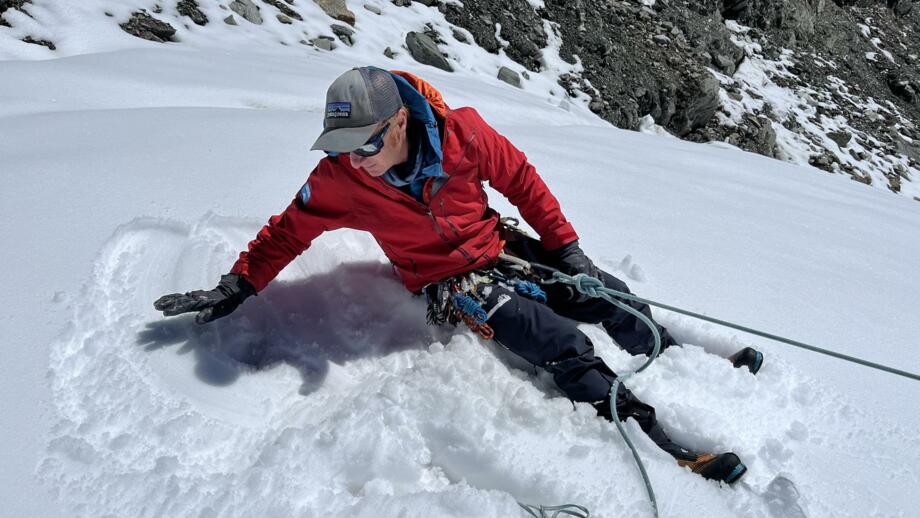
<point x="230" y="292"/>
<point x="571" y="260"/>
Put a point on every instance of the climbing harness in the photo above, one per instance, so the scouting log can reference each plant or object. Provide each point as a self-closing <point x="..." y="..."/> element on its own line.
<point x="459" y="298"/>
<point x="456" y="300"/>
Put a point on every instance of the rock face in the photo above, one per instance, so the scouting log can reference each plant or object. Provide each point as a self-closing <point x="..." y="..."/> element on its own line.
<point x="676" y="60"/>
<point x="521" y="27"/>
<point x="247" y="10"/>
<point x="147" y="27"/>
<point x="424" y="50"/>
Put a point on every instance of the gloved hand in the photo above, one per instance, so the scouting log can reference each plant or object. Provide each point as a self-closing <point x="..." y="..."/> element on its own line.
<point x="230" y="292"/>
<point x="571" y="260"/>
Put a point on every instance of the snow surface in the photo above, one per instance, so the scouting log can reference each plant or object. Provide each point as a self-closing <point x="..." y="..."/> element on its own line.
<point x="142" y="171"/>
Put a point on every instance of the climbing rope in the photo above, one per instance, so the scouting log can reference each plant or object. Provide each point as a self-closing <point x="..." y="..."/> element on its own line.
<point x="593" y="287"/>
<point x="583" y="283"/>
<point x="541" y="511"/>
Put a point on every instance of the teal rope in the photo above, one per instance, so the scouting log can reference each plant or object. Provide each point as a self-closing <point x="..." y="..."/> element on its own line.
<point x="540" y="511"/>
<point x="595" y="288"/>
<point x="591" y="286"/>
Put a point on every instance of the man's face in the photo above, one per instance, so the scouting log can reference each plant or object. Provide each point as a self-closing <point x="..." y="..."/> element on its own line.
<point x="395" y="148"/>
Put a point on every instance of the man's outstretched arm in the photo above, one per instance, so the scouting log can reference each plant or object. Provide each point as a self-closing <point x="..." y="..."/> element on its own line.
<point x="283" y="238"/>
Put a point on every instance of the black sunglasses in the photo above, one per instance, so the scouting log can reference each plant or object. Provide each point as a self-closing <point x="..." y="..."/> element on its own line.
<point x="374" y="145"/>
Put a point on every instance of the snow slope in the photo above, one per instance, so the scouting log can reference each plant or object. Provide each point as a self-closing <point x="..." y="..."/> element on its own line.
<point x="328" y="396"/>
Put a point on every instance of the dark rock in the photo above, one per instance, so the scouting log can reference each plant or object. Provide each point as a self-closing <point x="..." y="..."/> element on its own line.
<point x="344" y="34"/>
<point x="284" y="19"/>
<point x="388" y="52"/>
<point x="901" y="87"/>
<point x="190" y="8"/>
<point x="338" y="10"/>
<point x="402" y="3"/>
<point x="323" y="43"/>
<point x="287" y="11"/>
<point x="424" y="50"/>
<point x="230" y="20"/>
<point x="842" y="138"/>
<point x="45" y="43"/>
<point x="509" y="76"/>
<point x="521" y="27"/>
<point x="372" y="8"/>
<point x="147" y="27"/>
<point x="10" y="4"/>
<point x="459" y="36"/>
<point x="247" y="10"/>
<point x="901" y="7"/>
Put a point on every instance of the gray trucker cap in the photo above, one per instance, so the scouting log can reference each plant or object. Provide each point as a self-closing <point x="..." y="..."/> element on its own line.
<point x="355" y="103"/>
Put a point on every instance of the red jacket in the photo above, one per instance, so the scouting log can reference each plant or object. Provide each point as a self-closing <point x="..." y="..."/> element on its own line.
<point x="453" y="232"/>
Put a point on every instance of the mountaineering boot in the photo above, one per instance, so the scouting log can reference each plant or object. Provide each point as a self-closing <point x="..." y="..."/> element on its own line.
<point x="747" y="357"/>
<point x="724" y="467"/>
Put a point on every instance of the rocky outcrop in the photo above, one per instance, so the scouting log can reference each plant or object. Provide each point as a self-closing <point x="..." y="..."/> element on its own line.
<point x="675" y="60"/>
<point x="521" y="28"/>
<point x="147" y="27"/>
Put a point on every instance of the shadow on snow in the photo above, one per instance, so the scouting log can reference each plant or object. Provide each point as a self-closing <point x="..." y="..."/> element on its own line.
<point x="358" y="310"/>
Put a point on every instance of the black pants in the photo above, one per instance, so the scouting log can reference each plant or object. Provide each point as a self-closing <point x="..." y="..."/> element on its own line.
<point x="547" y="336"/>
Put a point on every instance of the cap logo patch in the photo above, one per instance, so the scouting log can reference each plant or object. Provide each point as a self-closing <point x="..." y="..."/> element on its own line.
<point x="338" y="110"/>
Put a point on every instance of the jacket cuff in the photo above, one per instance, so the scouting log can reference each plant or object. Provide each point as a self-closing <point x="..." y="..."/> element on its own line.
<point x="559" y="239"/>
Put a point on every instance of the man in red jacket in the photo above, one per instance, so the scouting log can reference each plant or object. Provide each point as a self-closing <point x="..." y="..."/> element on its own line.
<point x="404" y="167"/>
